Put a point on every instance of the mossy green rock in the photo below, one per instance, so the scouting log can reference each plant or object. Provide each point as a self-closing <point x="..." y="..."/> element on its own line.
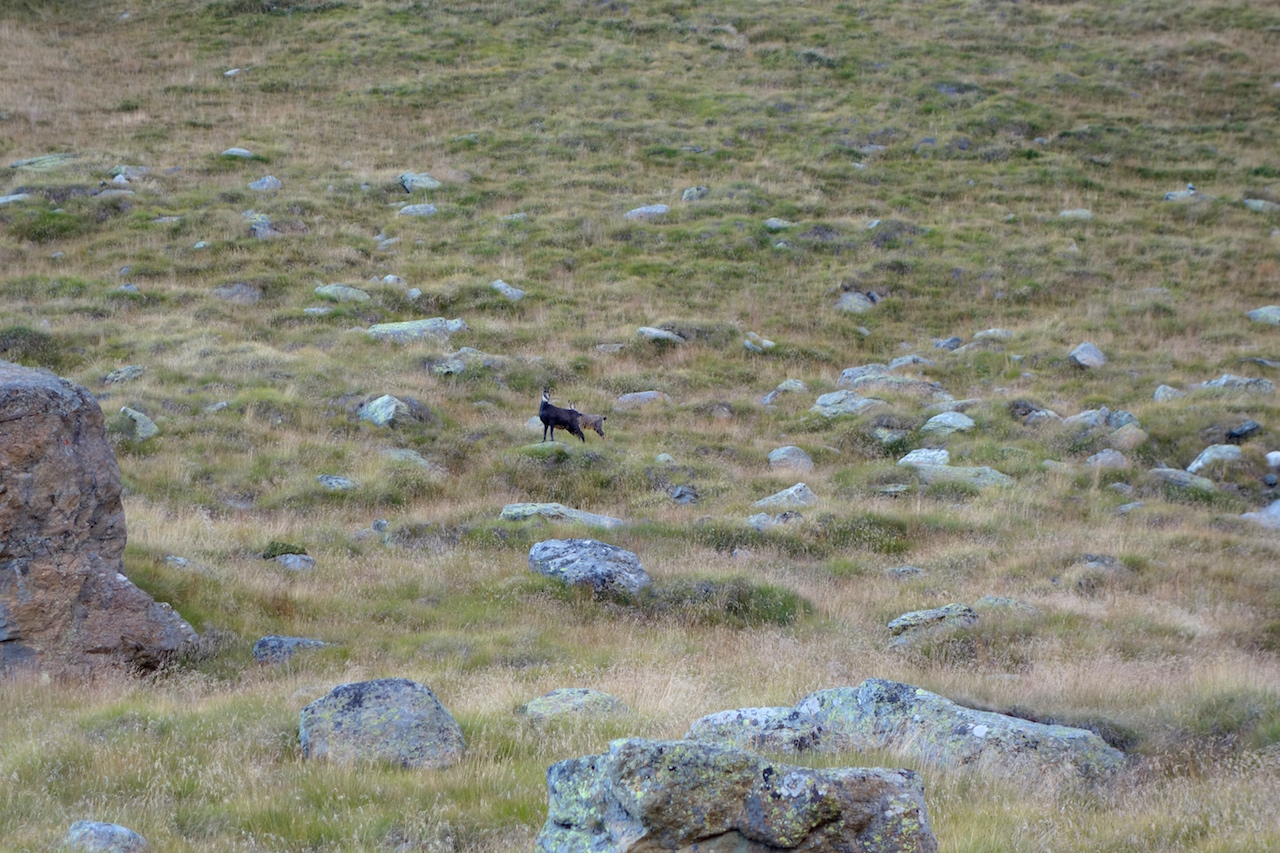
<point x="392" y="720"/>
<point x="879" y="714"/>
<point x="571" y="702"/>
<point x="691" y="796"/>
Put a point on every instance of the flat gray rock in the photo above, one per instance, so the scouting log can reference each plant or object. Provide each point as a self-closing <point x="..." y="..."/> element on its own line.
<point x="783" y="730"/>
<point x="464" y="358"/>
<point x="1215" y="453"/>
<point x="655" y="334"/>
<point x="695" y="194"/>
<point x="588" y="562"/>
<point x="926" y="456"/>
<point x="1165" y="393"/>
<point x="417" y="210"/>
<point x="13" y="197"/>
<point x="854" y="302"/>
<point x="572" y="703"/>
<point x="123" y="374"/>
<point x="982" y="477"/>
<point x="790" y="386"/>
<point x="295" y="562"/>
<point x="273" y="649"/>
<point x="1269" y="314"/>
<point x="1088" y="355"/>
<point x="648" y="211"/>
<point x="790" y="458"/>
<point x="1076" y="213"/>
<point x="993" y="335"/>
<point x="640" y="399"/>
<point x="693" y="796"/>
<point x="335" y="483"/>
<point x="242" y="153"/>
<point x="888" y="383"/>
<point x="416" y="330"/>
<point x="1108" y="459"/>
<point x="412" y="181"/>
<point x="392" y="720"/>
<point x="515" y="294"/>
<point x="559" y="512"/>
<point x="91" y="836"/>
<point x="1179" y="479"/>
<point x="841" y="403"/>
<point x="237" y="293"/>
<point x="341" y="293"/>
<point x="795" y="497"/>
<point x="918" y="624"/>
<point x="1261" y="205"/>
<point x="1269" y="517"/>
<point x="1088" y="419"/>
<point x="775" y="224"/>
<point x="268" y="184"/>
<point x="1231" y="382"/>
<point x="947" y="423"/>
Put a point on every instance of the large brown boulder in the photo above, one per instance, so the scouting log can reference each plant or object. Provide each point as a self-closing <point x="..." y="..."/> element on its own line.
<point x="65" y="607"/>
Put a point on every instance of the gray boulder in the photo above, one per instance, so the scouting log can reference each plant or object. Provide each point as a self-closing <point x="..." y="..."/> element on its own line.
<point x="13" y="197"/>
<point x="1076" y="213"/>
<point x="640" y="399"/>
<point x="1269" y="314"/>
<point x="273" y="649"/>
<point x="588" y="562"/>
<point x="695" y="193"/>
<point x="391" y="720"/>
<point x="142" y="427"/>
<point x="389" y="410"/>
<point x="1165" y="393"/>
<point x="336" y="483"/>
<point x="1215" y="453"/>
<point x="926" y="456"/>
<point x="947" y="423"/>
<point x="790" y="458"/>
<point x="919" y="624"/>
<point x="881" y="714"/>
<point x="1088" y="355"/>
<point x="411" y="181"/>
<point x="242" y="153"/>
<point x="260" y="225"/>
<point x="841" y="403"/>
<point x="1268" y="517"/>
<point x="1088" y="419"/>
<point x="237" y="293"/>
<point x="1261" y="205"/>
<point x="341" y="293"/>
<point x="982" y="477"/>
<point x="654" y="334"/>
<point x="784" y="730"/>
<point x="268" y="184"/>
<point x="1231" y="382"/>
<point x="417" y="330"/>
<point x="773" y="223"/>
<point x="1108" y="459"/>
<point x="559" y="512"/>
<point x="694" y="796"/>
<point x="790" y="386"/>
<point x="571" y="702"/>
<point x="647" y="212"/>
<point x="876" y="378"/>
<point x="795" y="497"/>
<point x="295" y="562"/>
<point x="123" y="374"/>
<point x="993" y="335"/>
<point x="91" y="836"/>
<point x="464" y="358"/>
<point x="417" y="210"/>
<point x="1179" y="479"/>
<point x="853" y="302"/>
<point x="515" y="294"/>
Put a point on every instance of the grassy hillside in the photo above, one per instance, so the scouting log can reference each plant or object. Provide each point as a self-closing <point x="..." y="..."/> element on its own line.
<point x="921" y="151"/>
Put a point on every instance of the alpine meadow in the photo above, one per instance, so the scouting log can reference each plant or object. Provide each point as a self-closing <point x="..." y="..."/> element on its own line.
<point x="937" y="342"/>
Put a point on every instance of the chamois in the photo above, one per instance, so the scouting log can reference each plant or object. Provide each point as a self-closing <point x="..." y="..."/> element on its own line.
<point x="554" y="417"/>
<point x="595" y="422"/>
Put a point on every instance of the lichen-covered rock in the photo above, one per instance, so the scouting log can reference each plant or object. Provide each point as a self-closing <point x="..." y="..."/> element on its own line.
<point x="647" y="212"/>
<point x="515" y="294"/>
<point x="844" y="402"/>
<point x="417" y="330"/>
<point x="275" y="649"/>
<point x="1108" y="459"/>
<point x="784" y="730"/>
<point x="795" y="497"/>
<point x="573" y="702"/>
<point x="790" y="386"/>
<point x="947" y="423"/>
<point x="1215" y="453"/>
<point x="417" y="210"/>
<point x="790" y="458"/>
<point x="65" y="606"/>
<point x="336" y="483"/>
<point x="883" y="382"/>
<point x="693" y="796"/>
<point x="142" y="427"/>
<point x="982" y="477"/>
<point x="588" y="562"/>
<point x="411" y="181"/>
<point x="1179" y="479"/>
<point x="881" y="714"/>
<point x="270" y="183"/>
<point x="926" y="456"/>
<point x="91" y="836"/>
<point x="392" y="720"/>
<point x="123" y="374"/>
<point x="1165" y="393"/>
<point x="341" y="293"/>
<point x="559" y="512"/>
<point x="918" y="624"/>
<point x="655" y="334"/>
<point x="854" y="302"/>
<point x="1231" y="382"/>
<point x="389" y="410"/>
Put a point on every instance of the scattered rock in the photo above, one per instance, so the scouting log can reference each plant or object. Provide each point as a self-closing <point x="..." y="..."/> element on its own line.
<point x="417" y="210"/>
<point x="143" y="427"/>
<point x="1121" y="418"/>
<point x="1261" y="205"/>
<point x="909" y="361"/>
<point x="1076" y="213"/>
<point x="1032" y="414"/>
<point x="559" y="512"/>
<point x="684" y="495"/>
<point x="982" y="477"/>
<point x="412" y="181"/>
<point x="755" y="343"/>
<point x="130" y="173"/>
<point x="947" y="423"/>
<point x="242" y="153"/>
<point x="700" y="796"/>
<point x="639" y="399"/>
<point x="926" y="456"/>
<point x="1223" y="453"/>
<point x="391" y="719"/>
<point x="695" y="193"/>
<point x="659" y="335"/>
<point x="260" y="226"/>
<point x="875" y="378"/>
<point x="1088" y="419"/>
<point x="268" y="184"/>
<point x="790" y="458"/>
<point x="237" y="293"/>
<point x="948" y="344"/>
<point x="334" y="483"/>
<point x="1231" y="382"/>
<point x="1107" y="459"/>
<point x="91" y="836"/>
<point x="13" y="197"/>
<point x="1128" y="437"/>
<point x="918" y="624"/>
<point x="840" y="403"/>
<point x="388" y="411"/>
<point x="1088" y="355"/>
<point x="515" y="294"/>
<point x="275" y="649"/>
<point x="43" y="163"/>
<point x="587" y="562"/>
<point x="413" y="457"/>
<point x="853" y="302"/>
<point x="795" y="497"/>
<point x="1269" y="517"/>
<point x="790" y="386"/>
<point x="466" y="357"/>
<point x="295" y="562"/>
<point x="65" y="606"/>
<point x="341" y="293"/>
<point x="1269" y="314"/>
<point x="648" y="212"/>
<point x="571" y="702"/>
<point x="1273" y="458"/>
<point x="784" y="730"/>
<point x="881" y="714"/>
<point x="1179" y="479"/>
<point x="776" y="224"/>
<point x="1237" y="434"/>
<point x="123" y="374"/>
<point x="762" y="521"/>
<point x="993" y="335"/>
<point x="417" y="330"/>
<point x="904" y="572"/>
<point x="996" y="602"/>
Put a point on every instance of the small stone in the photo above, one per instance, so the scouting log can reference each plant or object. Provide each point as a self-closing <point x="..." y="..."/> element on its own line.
<point x="668" y="459"/>
<point x="571" y="702"/>
<point x="91" y="836"/>
<point x="639" y="399"/>
<point x="1128" y="437"/>
<point x="910" y="627"/>
<point x="980" y="477"/>
<point x="1088" y="355"/>
<point x="948" y="344"/>
<point x="123" y="374"/>
<point x="654" y="334"/>
<point x="242" y="153"/>
<point x="790" y="458"/>
<point x="1273" y="459"/>
<point x="275" y="649"/>
<point x="776" y="224"/>
<point x="384" y="410"/>
<point x="342" y="293"/>
<point x="559" y="512"/>
<point x="268" y="184"/>
<point x="128" y="287"/>
<point x="841" y="403"/>
<point x="695" y="194"/>
<point x="1121" y="418"/>
<point x="684" y="495"/>
<point x="393" y="280"/>
<point x="295" y="562"/>
<point x="201" y="245"/>
<point x="1237" y="434"/>
<point x="912" y="360"/>
<point x="926" y="456"/>
<point x="417" y="330"/>
<point x="515" y="294"/>
<point x="176" y="561"/>
<point x="647" y="212"/>
<point x="854" y="302"/>
<point x="417" y="210"/>
<point x="1215" y="453"/>
<point x="515" y="217"/>
<point x="1109" y="459"/>
<point x="143" y="427"/>
<point x="993" y="335"/>
<point x="1269" y="517"/>
<point x="216" y="407"/>
<point x="412" y="181"/>
<point x="1088" y="419"/>
<point x="334" y="483"/>
<point x="1076" y="213"/>
<point x="797" y="496"/>
<point x="790" y="386"/>
<point x="1180" y="479"/>
<point x="904" y="572"/>
<point x="1125" y="509"/>
<point x="947" y="423"/>
<point x="317" y="310"/>
<point x="1165" y="393"/>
